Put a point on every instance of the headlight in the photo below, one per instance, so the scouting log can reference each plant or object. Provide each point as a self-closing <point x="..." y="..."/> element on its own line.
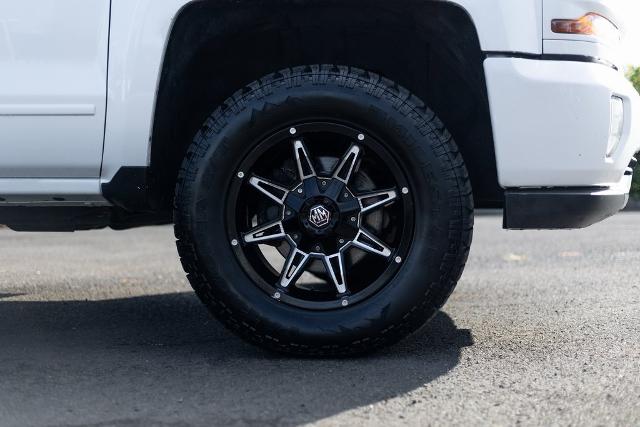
<point x="591" y="24"/>
<point x="616" y="125"/>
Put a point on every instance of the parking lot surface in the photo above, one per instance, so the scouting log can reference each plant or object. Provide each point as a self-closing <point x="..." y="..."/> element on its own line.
<point x="101" y="328"/>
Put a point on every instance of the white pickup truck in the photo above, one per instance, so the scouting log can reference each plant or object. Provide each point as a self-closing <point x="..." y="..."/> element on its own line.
<point x="321" y="159"/>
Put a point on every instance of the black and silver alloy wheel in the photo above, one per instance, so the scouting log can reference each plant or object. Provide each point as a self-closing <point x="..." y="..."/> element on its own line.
<point x="321" y="193"/>
<point x="322" y="211"/>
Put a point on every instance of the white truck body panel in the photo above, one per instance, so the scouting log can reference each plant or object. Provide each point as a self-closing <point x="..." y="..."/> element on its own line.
<point x="551" y="122"/>
<point x="550" y="118"/>
<point x="53" y="70"/>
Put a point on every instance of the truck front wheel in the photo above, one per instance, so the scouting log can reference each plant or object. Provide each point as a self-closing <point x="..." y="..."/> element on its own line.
<point x="323" y="210"/>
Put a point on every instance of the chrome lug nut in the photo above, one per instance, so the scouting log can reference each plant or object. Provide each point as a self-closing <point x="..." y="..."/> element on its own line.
<point x="293" y="131"/>
<point x="405" y="190"/>
<point x="277" y="295"/>
<point x="234" y="242"/>
<point x="361" y="137"/>
<point x="240" y="174"/>
<point x="345" y="303"/>
<point x="398" y="260"/>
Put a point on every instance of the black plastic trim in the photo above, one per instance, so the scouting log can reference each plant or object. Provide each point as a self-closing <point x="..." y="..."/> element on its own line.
<point x="55" y="218"/>
<point x="559" y="208"/>
<point x="551" y="57"/>
<point x="76" y="218"/>
<point x="129" y="189"/>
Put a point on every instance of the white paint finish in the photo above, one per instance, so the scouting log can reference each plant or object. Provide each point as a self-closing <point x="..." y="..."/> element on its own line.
<point x="47" y="110"/>
<point x="141" y="28"/>
<point x="48" y="146"/>
<point x="140" y="32"/>
<point x="551" y="122"/>
<point x="53" y="59"/>
<point x="606" y="53"/>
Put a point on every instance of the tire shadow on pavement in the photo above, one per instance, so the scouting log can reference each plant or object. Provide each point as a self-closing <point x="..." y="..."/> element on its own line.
<point x="162" y="359"/>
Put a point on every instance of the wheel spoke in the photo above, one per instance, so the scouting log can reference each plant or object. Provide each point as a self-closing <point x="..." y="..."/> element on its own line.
<point x="273" y="191"/>
<point x="347" y="164"/>
<point x="334" y="265"/>
<point x="371" y="201"/>
<point x="368" y="242"/>
<point x="303" y="160"/>
<point x="265" y="233"/>
<point x="293" y="267"/>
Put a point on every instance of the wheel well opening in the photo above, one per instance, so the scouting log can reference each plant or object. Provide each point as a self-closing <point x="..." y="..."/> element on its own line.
<point x="218" y="47"/>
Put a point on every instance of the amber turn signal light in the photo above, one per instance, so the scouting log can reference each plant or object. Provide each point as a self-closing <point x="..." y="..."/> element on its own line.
<point x="591" y="24"/>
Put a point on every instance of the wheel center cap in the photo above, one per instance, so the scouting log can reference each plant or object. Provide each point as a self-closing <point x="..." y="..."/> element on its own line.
<point x="319" y="216"/>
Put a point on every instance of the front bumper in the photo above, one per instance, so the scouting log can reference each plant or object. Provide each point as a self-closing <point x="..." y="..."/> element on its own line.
<point x="551" y="122"/>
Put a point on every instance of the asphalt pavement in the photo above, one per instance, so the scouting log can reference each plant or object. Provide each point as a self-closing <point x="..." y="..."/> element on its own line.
<point x="101" y="328"/>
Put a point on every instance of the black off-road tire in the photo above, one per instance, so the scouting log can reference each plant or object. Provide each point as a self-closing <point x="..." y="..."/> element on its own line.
<point x="424" y="148"/>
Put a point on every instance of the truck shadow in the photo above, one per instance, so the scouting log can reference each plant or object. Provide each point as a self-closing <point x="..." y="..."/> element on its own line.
<point x="162" y="359"/>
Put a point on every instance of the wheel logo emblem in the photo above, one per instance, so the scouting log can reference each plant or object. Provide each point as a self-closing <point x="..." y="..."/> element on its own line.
<point x="319" y="216"/>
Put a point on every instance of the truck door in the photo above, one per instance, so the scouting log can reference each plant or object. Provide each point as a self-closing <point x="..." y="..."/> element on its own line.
<point x="53" y="74"/>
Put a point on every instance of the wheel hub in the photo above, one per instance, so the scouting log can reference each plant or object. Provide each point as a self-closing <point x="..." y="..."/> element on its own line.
<point x="319" y="217"/>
